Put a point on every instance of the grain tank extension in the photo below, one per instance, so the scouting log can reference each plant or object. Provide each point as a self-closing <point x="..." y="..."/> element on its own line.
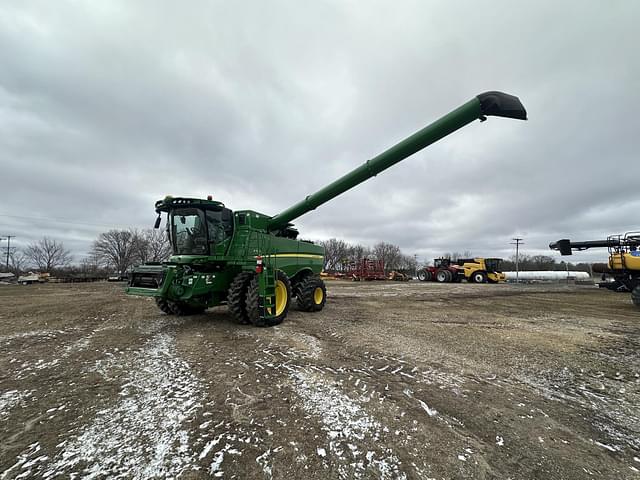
<point x="254" y="262"/>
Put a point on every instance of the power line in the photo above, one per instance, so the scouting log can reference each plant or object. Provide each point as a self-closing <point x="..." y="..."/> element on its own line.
<point x="8" y="247"/>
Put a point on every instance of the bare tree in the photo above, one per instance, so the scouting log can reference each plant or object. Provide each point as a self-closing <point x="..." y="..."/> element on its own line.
<point x="407" y="264"/>
<point x="542" y="262"/>
<point x="389" y="253"/>
<point x="152" y="246"/>
<point x="17" y="262"/>
<point x="455" y="256"/>
<point x="48" y="254"/>
<point x="91" y="263"/>
<point x="357" y="252"/>
<point x="117" y="249"/>
<point x="335" y="253"/>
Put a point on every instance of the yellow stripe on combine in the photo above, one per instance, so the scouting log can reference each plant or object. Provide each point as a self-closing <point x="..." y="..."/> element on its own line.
<point x="303" y="255"/>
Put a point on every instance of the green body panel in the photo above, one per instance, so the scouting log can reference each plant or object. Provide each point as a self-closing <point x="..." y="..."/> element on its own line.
<point x="208" y="285"/>
<point x="203" y="280"/>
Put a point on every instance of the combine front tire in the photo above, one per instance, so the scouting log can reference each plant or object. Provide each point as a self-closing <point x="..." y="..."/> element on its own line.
<point x="182" y="309"/>
<point x="164" y="305"/>
<point x="635" y="296"/>
<point x="237" y="297"/>
<point x="479" y="277"/>
<point x="282" y="301"/>
<point x="312" y="294"/>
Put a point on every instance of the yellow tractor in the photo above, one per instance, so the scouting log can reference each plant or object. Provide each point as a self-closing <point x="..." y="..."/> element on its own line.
<point x="481" y="270"/>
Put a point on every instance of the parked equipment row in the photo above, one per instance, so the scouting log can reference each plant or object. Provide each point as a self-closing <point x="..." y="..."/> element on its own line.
<point x="476" y="270"/>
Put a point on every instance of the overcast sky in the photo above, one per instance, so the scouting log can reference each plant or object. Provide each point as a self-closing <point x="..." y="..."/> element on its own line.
<point x="106" y="107"/>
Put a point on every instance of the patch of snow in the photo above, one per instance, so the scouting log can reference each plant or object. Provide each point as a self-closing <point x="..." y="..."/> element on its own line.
<point x="263" y="461"/>
<point x="47" y="334"/>
<point x="312" y="344"/>
<point x="142" y="436"/>
<point x="10" y="399"/>
<point x="346" y="422"/>
<point x="608" y="447"/>
<point x="25" y="462"/>
<point x="499" y="441"/>
<point x="430" y="411"/>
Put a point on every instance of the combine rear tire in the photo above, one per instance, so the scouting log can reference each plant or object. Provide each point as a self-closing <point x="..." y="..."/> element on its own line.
<point x="479" y="277"/>
<point x="283" y="301"/>
<point x="312" y="294"/>
<point x="635" y="296"/>
<point x="237" y="297"/>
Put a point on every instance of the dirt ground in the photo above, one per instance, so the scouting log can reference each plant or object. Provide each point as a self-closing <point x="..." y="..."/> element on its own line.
<point x="390" y="380"/>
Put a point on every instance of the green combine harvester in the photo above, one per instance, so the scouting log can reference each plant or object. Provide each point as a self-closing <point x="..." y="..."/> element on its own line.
<point x="253" y="262"/>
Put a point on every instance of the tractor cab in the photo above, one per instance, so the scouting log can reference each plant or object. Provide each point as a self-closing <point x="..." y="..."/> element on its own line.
<point x="197" y="227"/>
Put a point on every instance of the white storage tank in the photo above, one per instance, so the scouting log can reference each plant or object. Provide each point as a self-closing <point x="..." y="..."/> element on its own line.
<point x="547" y="275"/>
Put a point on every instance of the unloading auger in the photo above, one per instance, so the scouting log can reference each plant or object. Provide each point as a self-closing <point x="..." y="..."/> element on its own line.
<point x="623" y="265"/>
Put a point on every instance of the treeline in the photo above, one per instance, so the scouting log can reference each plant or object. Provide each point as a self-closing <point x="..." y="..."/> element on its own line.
<point x="115" y="251"/>
<point x="542" y="263"/>
<point x="338" y="255"/>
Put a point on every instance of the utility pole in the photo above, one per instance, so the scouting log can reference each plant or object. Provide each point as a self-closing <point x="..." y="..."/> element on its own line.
<point x="8" y="247"/>
<point x="517" y="242"/>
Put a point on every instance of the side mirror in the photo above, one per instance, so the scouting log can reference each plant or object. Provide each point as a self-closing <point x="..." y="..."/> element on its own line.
<point x="158" y="220"/>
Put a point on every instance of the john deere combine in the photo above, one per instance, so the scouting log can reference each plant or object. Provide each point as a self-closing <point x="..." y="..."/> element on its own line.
<point x="623" y="265"/>
<point x="253" y="262"/>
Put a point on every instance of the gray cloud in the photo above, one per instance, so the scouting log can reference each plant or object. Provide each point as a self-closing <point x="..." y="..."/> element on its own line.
<point x="106" y="107"/>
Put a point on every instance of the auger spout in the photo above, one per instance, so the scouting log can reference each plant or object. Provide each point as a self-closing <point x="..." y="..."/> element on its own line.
<point x="486" y="104"/>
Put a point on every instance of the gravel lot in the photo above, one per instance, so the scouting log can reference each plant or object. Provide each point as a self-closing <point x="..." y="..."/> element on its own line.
<point x="390" y="380"/>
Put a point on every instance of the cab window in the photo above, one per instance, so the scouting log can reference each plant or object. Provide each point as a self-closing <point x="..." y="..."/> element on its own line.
<point x="189" y="232"/>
